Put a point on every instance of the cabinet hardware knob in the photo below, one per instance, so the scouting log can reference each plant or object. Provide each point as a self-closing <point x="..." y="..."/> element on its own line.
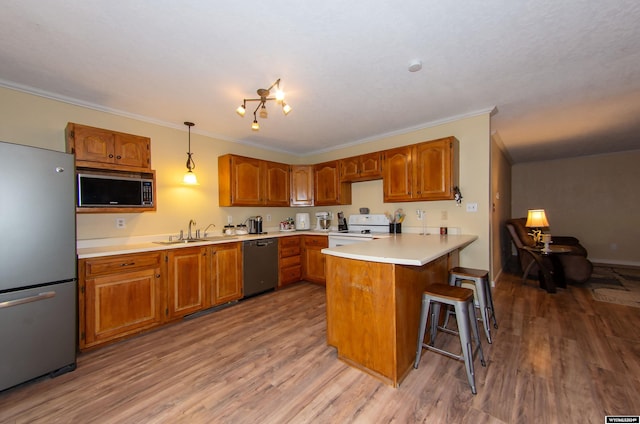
<point x="118" y="157"/>
<point x="128" y="264"/>
<point x="110" y="156"/>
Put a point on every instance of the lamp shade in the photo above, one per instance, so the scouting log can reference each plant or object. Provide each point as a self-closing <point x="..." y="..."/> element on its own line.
<point x="537" y="218"/>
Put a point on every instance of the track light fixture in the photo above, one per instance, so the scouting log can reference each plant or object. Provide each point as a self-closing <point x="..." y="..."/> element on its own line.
<point x="189" y="176"/>
<point x="264" y="94"/>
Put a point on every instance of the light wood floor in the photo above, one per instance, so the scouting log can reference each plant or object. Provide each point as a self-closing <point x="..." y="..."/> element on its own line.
<point x="556" y="358"/>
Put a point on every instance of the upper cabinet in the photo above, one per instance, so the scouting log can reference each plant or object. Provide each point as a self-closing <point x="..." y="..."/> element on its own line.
<point x="301" y="185"/>
<point x="361" y="168"/>
<point x="105" y="149"/>
<point x="247" y="181"/>
<point x="421" y="172"/>
<point x="328" y="188"/>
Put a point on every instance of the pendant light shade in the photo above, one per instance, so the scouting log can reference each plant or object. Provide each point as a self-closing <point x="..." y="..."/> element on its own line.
<point x="189" y="177"/>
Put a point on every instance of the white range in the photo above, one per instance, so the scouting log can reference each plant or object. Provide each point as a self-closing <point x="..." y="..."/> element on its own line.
<point x="360" y="228"/>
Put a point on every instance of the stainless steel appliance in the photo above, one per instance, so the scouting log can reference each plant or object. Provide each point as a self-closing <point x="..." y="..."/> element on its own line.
<point x="103" y="190"/>
<point x="38" y="288"/>
<point x="259" y="266"/>
<point x="255" y="225"/>
<point x="363" y="227"/>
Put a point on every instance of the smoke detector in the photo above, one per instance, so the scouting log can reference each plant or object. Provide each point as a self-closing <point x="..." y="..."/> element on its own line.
<point x="415" y="65"/>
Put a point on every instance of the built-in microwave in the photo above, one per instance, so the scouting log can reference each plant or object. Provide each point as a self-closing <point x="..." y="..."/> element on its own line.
<point x="97" y="190"/>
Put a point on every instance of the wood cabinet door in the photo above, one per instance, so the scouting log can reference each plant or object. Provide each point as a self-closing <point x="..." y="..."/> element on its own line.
<point x="397" y="175"/>
<point x="246" y="182"/>
<point x="225" y="284"/>
<point x="277" y="184"/>
<point x="302" y="185"/>
<point x="186" y="277"/>
<point x="365" y="167"/>
<point x="432" y="166"/>
<point x="132" y="150"/>
<point x="93" y="144"/>
<point x="328" y="189"/>
<point x="313" y="260"/>
<point x="350" y="168"/>
<point x="120" y="304"/>
<point x="371" y="166"/>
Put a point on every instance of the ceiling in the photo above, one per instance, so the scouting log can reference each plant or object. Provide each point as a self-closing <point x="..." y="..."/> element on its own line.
<point x="562" y="77"/>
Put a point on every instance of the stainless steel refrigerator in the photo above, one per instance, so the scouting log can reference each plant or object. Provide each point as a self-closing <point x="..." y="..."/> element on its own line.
<point x="37" y="264"/>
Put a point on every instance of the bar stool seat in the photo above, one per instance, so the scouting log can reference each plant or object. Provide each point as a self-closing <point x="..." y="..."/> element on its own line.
<point x="482" y="292"/>
<point x="461" y="299"/>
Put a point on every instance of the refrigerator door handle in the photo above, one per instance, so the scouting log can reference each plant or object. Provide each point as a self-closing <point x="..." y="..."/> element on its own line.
<point x="16" y="302"/>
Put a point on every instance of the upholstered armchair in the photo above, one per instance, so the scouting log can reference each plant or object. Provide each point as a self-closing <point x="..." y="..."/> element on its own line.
<point x="575" y="265"/>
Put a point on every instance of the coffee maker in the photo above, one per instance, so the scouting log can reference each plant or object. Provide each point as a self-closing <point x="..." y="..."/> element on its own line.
<point x="255" y="225"/>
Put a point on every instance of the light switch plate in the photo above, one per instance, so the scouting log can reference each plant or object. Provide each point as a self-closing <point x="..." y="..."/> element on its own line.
<point x="472" y="207"/>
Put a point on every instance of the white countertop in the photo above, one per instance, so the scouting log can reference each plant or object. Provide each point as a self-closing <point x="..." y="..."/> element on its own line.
<point x="124" y="245"/>
<point x="402" y="249"/>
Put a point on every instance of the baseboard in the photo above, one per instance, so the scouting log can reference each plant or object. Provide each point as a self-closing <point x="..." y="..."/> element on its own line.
<point x="612" y="262"/>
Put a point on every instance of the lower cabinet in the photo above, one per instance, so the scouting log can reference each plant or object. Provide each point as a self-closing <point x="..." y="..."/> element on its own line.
<point x="123" y="295"/>
<point x="289" y="260"/>
<point x="119" y="296"/>
<point x="225" y="269"/>
<point x="312" y="258"/>
<point x="186" y="280"/>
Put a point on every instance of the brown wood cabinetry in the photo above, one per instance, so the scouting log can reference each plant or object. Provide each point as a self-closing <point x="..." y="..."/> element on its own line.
<point x="374" y="324"/>
<point x="328" y="188"/>
<point x="118" y="296"/>
<point x="397" y="182"/>
<point x="361" y="168"/>
<point x="244" y="181"/>
<point x="225" y="269"/>
<point x="420" y="172"/>
<point x="186" y="280"/>
<point x="312" y="258"/>
<point x="289" y="258"/>
<point x="301" y="185"/>
<point x="106" y="149"/>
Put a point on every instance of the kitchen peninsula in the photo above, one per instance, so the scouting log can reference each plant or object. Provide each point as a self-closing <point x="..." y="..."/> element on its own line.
<point x="374" y="292"/>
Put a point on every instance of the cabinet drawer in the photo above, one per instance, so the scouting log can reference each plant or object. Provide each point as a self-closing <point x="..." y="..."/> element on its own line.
<point x="120" y="263"/>
<point x="290" y="261"/>
<point x="290" y="275"/>
<point x="320" y="241"/>
<point x="286" y="252"/>
<point x="289" y="241"/>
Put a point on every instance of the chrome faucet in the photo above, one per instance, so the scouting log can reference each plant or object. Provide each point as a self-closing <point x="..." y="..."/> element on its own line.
<point x="205" y="230"/>
<point x="191" y="222"/>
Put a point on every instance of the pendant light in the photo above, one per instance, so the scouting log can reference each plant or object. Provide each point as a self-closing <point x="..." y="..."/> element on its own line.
<point x="189" y="176"/>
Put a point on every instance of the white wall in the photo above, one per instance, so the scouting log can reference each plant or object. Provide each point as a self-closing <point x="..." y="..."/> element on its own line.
<point x="37" y="121"/>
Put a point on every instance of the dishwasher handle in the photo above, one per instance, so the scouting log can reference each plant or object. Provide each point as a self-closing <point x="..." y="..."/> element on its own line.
<point x="22" y="301"/>
<point x="263" y="243"/>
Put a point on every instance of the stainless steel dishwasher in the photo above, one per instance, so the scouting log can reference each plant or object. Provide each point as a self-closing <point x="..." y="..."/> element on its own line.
<point x="259" y="266"/>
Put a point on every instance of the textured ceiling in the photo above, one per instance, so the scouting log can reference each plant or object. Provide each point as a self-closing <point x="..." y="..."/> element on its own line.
<point x="563" y="76"/>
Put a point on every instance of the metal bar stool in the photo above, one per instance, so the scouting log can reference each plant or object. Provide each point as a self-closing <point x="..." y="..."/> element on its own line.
<point x="462" y="301"/>
<point x="483" y="297"/>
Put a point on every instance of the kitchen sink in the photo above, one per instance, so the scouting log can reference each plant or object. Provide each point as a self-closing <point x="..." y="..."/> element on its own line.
<point x="194" y="240"/>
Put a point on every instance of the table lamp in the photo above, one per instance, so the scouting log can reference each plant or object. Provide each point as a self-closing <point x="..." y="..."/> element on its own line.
<point x="537" y="219"/>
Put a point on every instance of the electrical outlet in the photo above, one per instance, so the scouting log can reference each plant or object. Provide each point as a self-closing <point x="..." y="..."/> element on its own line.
<point x="268" y="217"/>
<point x="121" y="223"/>
<point x="229" y="219"/>
<point x="420" y="214"/>
<point x="444" y="215"/>
<point x="472" y="207"/>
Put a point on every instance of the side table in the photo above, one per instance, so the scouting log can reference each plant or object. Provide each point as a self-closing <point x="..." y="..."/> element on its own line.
<point x="550" y="271"/>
